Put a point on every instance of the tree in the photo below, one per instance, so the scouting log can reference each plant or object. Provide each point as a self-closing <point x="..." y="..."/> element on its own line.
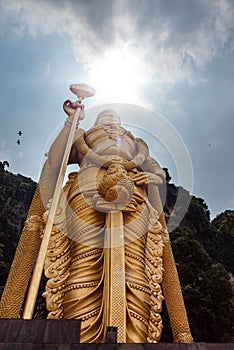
<point x="223" y="240"/>
<point x="3" y="165"/>
<point x="206" y="289"/>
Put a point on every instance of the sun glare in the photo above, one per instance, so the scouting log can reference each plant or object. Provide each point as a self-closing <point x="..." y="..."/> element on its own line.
<point x="118" y="76"/>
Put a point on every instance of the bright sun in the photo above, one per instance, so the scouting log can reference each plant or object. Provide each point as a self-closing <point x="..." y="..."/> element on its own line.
<point x="119" y="75"/>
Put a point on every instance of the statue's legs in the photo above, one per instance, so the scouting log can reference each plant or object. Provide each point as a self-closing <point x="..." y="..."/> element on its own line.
<point x="137" y="284"/>
<point x="83" y="292"/>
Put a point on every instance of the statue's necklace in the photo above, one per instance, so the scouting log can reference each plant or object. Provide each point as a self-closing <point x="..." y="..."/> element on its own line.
<point x="114" y="132"/>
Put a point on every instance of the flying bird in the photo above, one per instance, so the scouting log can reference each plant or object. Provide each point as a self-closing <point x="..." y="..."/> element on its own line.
<point x="19" y="133"/>
<point x="18" y="141"/>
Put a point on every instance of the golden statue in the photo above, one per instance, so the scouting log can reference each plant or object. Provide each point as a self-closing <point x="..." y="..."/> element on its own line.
<point x="109" y="251"/>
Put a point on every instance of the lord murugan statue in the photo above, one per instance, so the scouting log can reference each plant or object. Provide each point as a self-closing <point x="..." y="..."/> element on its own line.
<point x="109" y="261"/>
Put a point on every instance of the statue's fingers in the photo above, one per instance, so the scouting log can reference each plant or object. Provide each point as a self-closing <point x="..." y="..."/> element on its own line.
<point x="139" y="176"/>
<point x="142" y="181"/>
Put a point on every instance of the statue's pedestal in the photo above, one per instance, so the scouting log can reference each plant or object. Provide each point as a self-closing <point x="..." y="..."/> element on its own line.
<point x="24" y="332"/>
<point x="64" y="335"/>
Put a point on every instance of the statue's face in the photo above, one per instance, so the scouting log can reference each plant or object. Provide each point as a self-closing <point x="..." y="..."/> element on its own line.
<point x="108" y="117"/>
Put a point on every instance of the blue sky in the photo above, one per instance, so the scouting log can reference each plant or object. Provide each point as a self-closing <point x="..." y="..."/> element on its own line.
<point x="172" y="58"/>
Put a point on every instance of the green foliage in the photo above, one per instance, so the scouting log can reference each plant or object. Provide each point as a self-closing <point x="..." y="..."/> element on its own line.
<point x="206" y="289"/>
<point x="204" y="252"/>
<point x="223" y="240"/>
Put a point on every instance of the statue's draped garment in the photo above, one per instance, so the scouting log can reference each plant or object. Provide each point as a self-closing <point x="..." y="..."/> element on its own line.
<point x="75" y="262"/>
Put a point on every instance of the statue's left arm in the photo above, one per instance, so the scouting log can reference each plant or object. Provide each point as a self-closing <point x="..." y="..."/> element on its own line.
<point x="151" y="172"/>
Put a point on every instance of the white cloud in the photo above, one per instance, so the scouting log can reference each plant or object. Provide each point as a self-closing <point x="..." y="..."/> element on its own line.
<point x="214" y="32"/>
<point x="175" y="39"/>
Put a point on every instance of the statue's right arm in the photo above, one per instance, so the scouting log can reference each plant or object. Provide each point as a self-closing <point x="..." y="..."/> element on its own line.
<point x="56" y="151"/>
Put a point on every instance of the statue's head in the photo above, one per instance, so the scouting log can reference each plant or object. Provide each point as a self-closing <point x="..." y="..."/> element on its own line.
<point x="108" y="116"/>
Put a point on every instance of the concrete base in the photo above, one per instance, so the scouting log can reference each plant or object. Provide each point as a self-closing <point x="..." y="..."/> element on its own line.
<point x="65" y="335"/>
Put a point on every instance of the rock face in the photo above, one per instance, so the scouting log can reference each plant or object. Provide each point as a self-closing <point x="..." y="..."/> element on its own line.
<point x="203" y="250"/>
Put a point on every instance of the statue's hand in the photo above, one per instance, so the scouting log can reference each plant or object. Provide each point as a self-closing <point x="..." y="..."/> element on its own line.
<point x="70" y="108"/>
<point x="146" y="178"/>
